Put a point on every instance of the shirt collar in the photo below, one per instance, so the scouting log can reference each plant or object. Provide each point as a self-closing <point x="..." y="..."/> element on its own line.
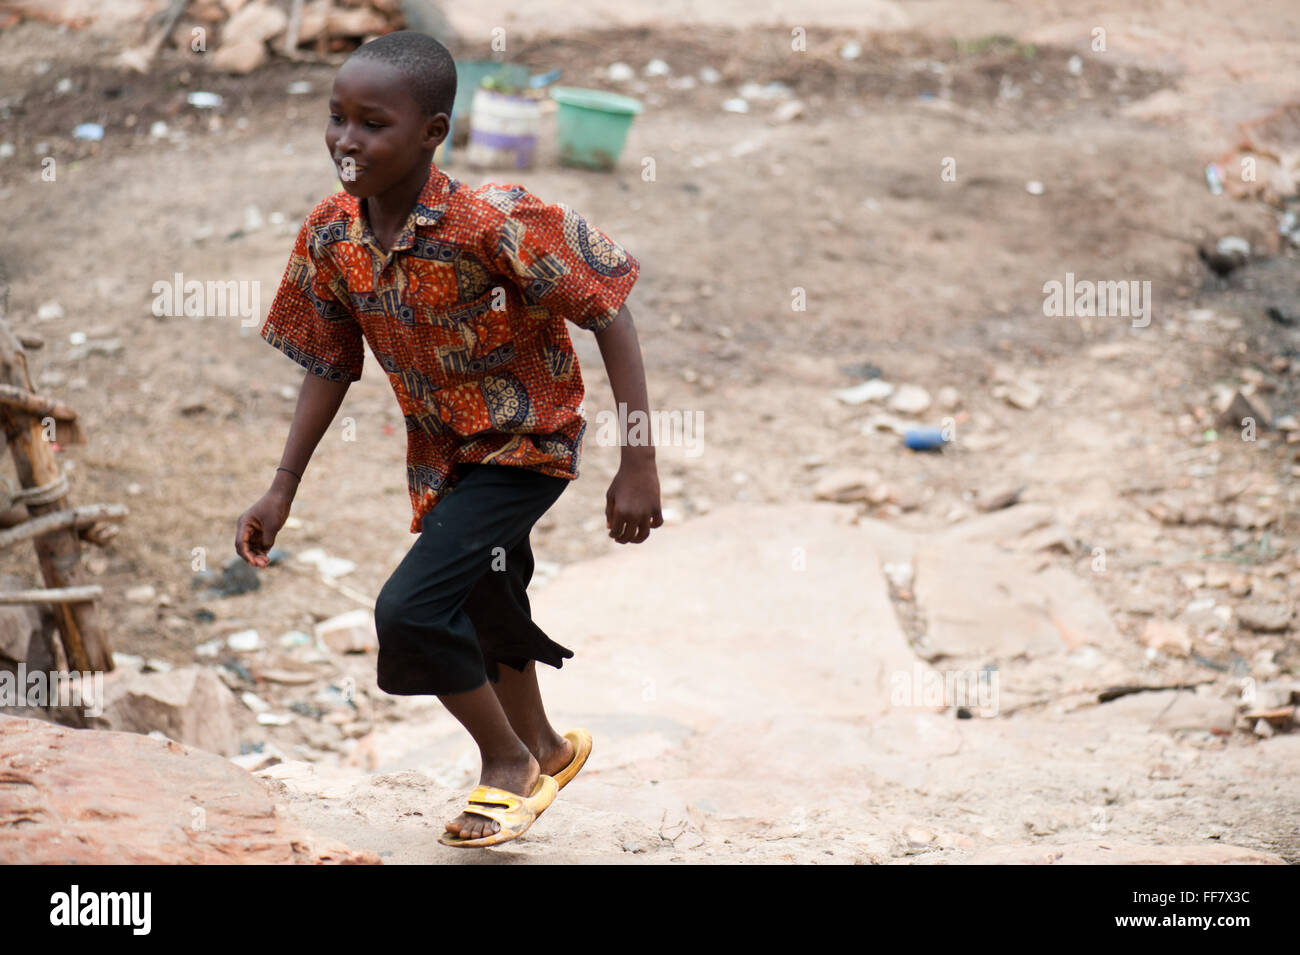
<point x="427" y="212"/>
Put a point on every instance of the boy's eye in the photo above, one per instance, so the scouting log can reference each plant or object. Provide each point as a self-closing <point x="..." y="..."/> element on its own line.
<point x="335" y="118"/>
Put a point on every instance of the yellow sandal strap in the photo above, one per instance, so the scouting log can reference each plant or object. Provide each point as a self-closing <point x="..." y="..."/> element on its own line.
<point x="491" y="794"/>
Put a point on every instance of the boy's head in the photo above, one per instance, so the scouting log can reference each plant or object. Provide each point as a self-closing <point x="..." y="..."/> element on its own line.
<point x="389" y="109"/>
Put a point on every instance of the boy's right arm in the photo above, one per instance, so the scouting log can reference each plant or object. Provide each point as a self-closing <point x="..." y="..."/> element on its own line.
<point x="318" y="402"/>
<point x="309" y="322"/>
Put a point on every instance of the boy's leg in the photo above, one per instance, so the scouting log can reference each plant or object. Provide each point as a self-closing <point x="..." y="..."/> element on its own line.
<point x="521" y="699"/>
<point x="427" y="643"/>
<point x="507" y="763"/>
<point x="512" y="643"/>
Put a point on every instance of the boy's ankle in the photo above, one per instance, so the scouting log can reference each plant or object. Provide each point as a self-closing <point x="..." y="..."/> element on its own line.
<point x="518" y="757"/>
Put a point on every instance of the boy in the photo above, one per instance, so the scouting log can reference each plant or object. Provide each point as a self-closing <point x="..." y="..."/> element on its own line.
<point x="463" y="296"/>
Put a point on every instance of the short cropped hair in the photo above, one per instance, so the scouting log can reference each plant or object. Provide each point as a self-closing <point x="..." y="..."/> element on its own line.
<point x="425" y="62"/>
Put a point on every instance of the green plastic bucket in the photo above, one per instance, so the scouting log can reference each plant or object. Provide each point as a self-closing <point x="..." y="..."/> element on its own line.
<point x="592" y="125"/>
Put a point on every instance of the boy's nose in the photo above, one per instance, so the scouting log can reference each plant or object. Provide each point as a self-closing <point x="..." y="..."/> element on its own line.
<point x="344" y="143"/>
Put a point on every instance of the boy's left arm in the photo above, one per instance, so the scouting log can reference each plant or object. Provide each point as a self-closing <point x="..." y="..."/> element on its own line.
<point x="632" y="505"/>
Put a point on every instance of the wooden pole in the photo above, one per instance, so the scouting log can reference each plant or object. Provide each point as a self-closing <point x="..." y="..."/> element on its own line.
<point x="71" y="517"/>
<point x="59" y="551"/>
<point x="68" y="594"/>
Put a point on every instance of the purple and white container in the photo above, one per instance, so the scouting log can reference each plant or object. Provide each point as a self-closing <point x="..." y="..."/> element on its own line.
<point x="503" y="130"/>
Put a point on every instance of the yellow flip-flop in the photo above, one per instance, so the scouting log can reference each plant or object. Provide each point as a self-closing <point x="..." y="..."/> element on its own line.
<point x="581" y="741"/>
<point x="512" y="812"/>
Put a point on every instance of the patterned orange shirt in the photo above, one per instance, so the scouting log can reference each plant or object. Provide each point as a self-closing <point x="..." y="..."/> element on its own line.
<point x="466" y="314"/>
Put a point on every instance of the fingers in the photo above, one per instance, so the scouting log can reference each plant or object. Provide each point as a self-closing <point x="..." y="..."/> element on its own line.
<point x="248" y="543"/>
<point x="633" y="530"/>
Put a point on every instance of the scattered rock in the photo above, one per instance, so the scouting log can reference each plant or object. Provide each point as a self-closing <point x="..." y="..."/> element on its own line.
<point x="1264" y="617"/>
<point x="1272" y="696"/>
<point x="142" y="595"/>
<point x="1022" y="394"/>
<point x="351" y="632"/>
<point x="900" y="574"/>
<point x="1283" y="316"/>
<point x="846" y="486"/>
<point x="268" y="755"/>
<point x="286" y="676"/>
<point x="240" y="56"/>
<point x="108" y="798"/>
<point x="49" y="311"/>
<point x="1279" y="718"/>
<point x="1248" y="406"/>
<point x="1172" y="710"/>
<point x="982" y="441"/>
<point x="787" y="111"/>
<point x="26" y="631"/>
<point x="997" y="498"/>
<point x="1167" y="636"/>
<point x="1004" y="526"/>
<point x="327" y="565"/>
<point x="256" y="21"/>
<point x="245" y="641"/>
<point x="909" y="399"/>
<point x="288" y="769"/>
<point x="918" y="836"/>
<point x="189" y="704"/>
<point x="872" y="390"/>
<point x="237" y="577"/>
<point x="885" y="422"/>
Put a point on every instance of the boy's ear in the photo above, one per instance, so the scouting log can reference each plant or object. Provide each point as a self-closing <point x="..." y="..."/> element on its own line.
<point x="436" y="129"/>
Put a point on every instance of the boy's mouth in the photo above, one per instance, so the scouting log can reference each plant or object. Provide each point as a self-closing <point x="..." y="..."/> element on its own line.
<point x="349" y="168"/>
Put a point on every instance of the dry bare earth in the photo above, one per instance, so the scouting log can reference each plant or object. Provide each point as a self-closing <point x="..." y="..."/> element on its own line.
<point x="934" y="282"/>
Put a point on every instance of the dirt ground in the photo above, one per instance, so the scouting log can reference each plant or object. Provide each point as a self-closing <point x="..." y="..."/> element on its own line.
<point x="930" y="282"/>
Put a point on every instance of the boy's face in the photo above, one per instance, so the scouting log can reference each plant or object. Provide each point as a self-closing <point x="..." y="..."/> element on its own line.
<point x="377" y="134"/>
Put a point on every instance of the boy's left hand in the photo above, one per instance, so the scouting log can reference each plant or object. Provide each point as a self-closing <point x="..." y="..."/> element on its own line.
<point x="632" y="502"/>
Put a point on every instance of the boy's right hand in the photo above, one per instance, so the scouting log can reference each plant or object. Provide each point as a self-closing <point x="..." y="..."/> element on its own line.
<point x="258" y="526"/>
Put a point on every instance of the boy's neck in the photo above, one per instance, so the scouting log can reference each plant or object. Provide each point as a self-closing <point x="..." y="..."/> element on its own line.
<point x="387" y="211"/>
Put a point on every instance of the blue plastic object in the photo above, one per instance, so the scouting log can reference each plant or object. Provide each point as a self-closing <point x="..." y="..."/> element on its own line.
<point x="924" y="439"/>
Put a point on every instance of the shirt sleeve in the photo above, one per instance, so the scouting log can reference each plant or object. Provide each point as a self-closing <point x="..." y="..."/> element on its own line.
<point x="558" y="259"/>
<point x="308" y="319"/>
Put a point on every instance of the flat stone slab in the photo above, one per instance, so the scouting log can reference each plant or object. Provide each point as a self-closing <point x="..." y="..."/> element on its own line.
<point x="746" y="610"/>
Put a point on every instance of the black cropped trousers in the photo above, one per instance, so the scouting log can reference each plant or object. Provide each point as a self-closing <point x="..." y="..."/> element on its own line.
<point x="457" y="606"/>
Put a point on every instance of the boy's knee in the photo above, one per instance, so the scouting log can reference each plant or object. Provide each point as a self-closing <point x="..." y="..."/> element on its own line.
<point x="390" y="609"/>
<point x="397" y="613"/>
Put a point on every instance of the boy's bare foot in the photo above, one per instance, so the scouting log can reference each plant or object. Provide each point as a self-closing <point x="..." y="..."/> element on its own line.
<point x="554" y="755"/>
<point x="517" y="775"/>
